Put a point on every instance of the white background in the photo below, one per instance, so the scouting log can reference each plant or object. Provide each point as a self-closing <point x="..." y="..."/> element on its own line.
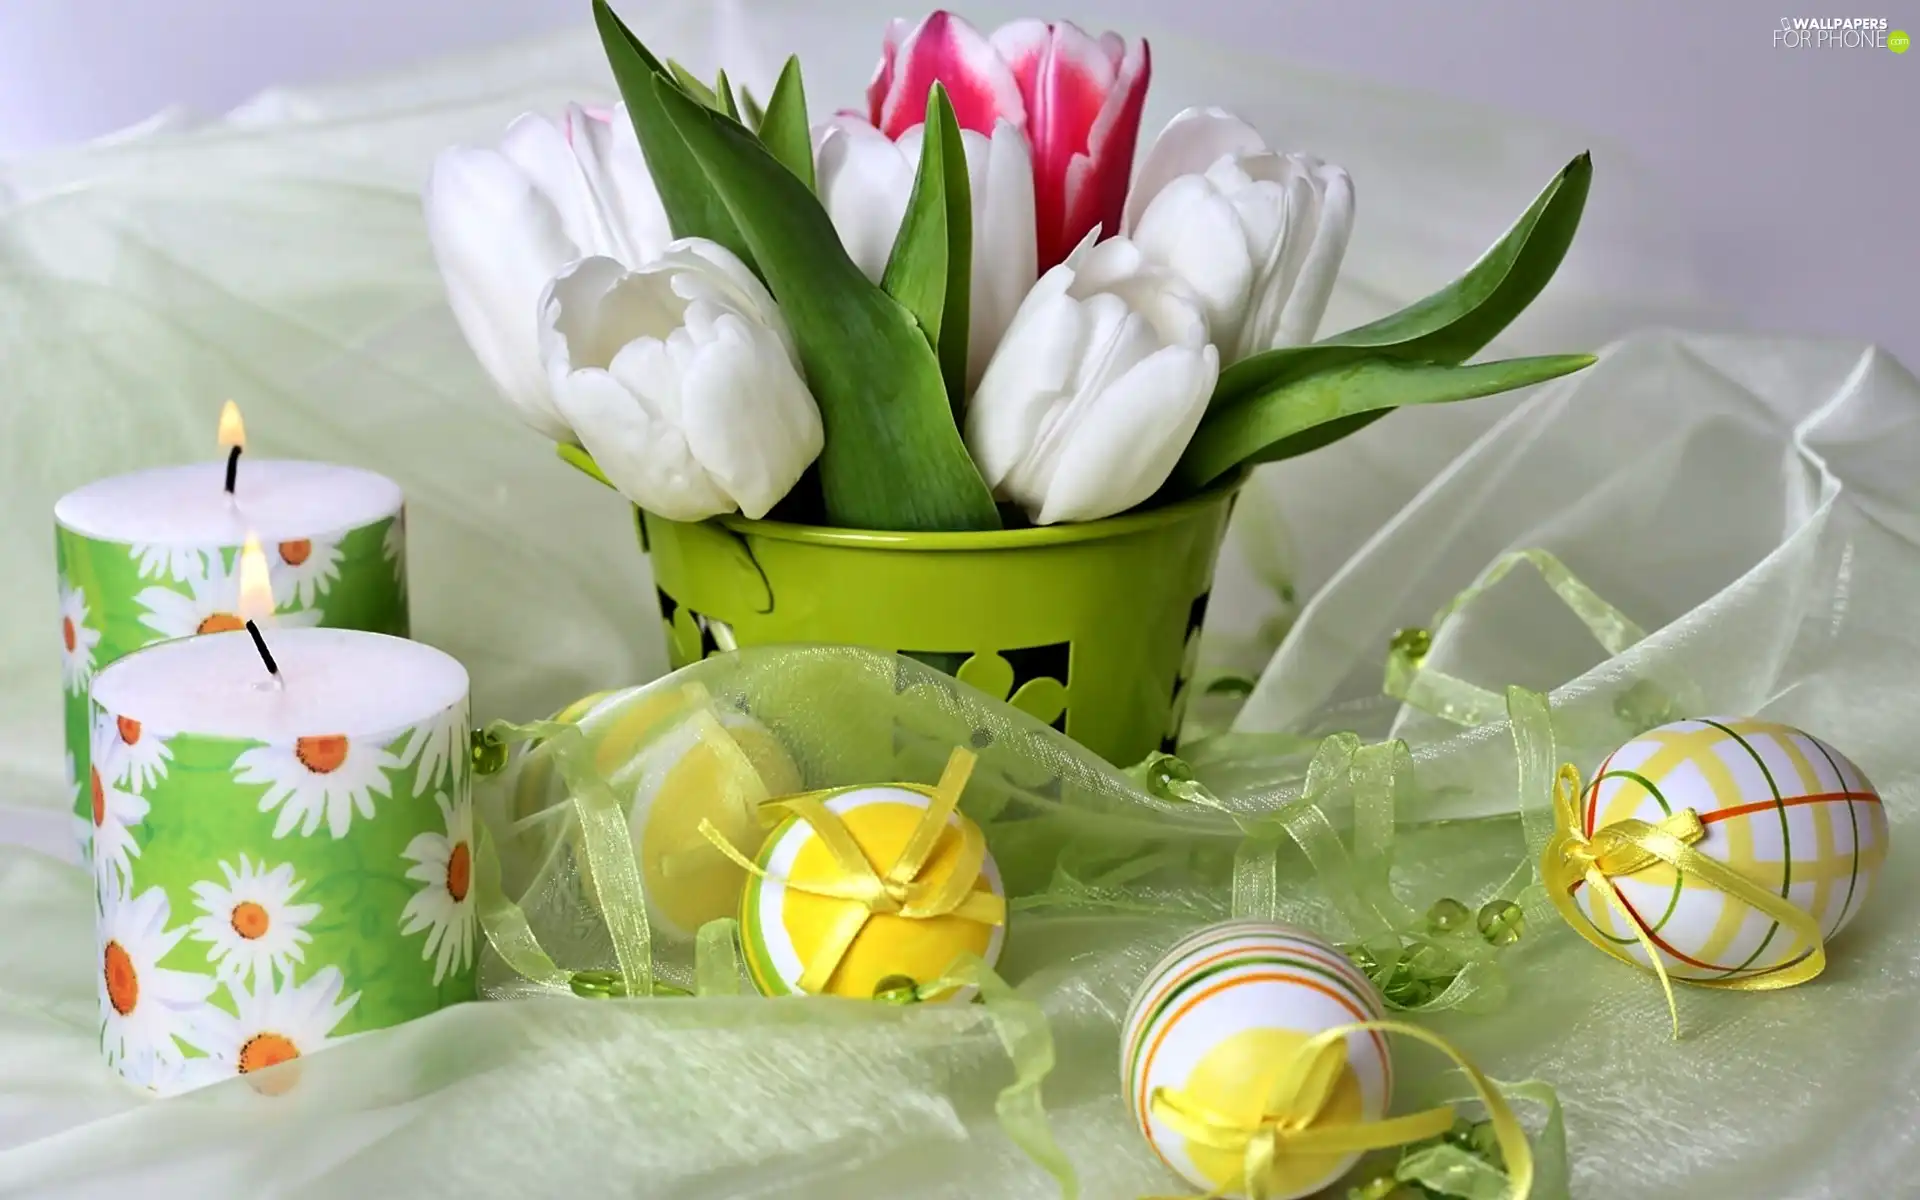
<point x="1796" y="170"/>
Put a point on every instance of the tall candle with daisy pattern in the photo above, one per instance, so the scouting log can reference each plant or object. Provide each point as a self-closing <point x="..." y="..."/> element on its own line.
<point x="281" y="860"/>
<point x="155" y="555"/>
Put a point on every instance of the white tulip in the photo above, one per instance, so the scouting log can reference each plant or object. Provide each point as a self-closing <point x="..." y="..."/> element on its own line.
<point x="865" y="179"/>
<point x="1098" y="386"/>
<point x="1258" y="235"/>
<point x="681" y="379"/>
<point x="504" y="222"/>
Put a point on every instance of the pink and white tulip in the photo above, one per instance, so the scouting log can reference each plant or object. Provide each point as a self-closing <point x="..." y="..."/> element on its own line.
<point x="1257" y="234"/>
<point x="503" y="222"/>
<point x="864" y="179"/>
<point x="1077" y="98"/>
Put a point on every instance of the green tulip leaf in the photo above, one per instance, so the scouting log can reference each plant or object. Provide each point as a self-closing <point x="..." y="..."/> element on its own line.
<point x="692" y="207"/>
<point x="581" y="461"/>
<point x="1305" y="414"/>
<point x="783" y="127"/>
<point x="691" y="85"/>
<point x="894" y="458"/>
<point x="1454" y="323"/>
<point x="723" y="95"/>
<point x="930" y="268"/>
<point x="755" y="114"/>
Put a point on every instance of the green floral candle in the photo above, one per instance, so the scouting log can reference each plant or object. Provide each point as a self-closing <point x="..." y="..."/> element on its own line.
<point x="155" y="555"/>
<point x="281" y="860"/>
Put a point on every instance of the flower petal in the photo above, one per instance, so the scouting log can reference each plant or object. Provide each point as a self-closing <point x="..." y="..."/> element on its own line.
<point x="1096" y="193"/>
<point x="1314" y="288"/>
<point x="497" y="241"/>
<point x="1128" y="445"/>
<point x="1194" y="140"/>
<point x="882" y="82"/>
<point x="864" y="180"/>
<point x="1305" y="240"/>
<point x="1065" y="77"/>
<point x="1191" y="230"/>
<point x="945" y="49"/>
<point x="1031" y="372"/>
<point x="1005" y="265"/>
<point x="749" y="419"/>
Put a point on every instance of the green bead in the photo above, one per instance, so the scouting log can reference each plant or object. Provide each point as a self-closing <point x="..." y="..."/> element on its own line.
<point x="1502" y="922"/>
<point x="597" y="985"/>
<point x="1447" y="915"/>
<point x="489" y="753"/>
<point x="1644" y="706"/>
<point x="1412" y="644"/>
<point x="897" y="989"/>
<point x="1166" y="771"/>
<point x="608" y="985"/>
<point x="1384" y="1187"/>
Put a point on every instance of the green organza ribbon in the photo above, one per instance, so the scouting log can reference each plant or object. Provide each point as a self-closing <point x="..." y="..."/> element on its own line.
<point x="1019" y="1024"/>
<point x="1409" y="681"/>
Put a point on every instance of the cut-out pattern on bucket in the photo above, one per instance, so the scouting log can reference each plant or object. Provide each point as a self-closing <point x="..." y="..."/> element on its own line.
<point x="691" y="636"/>
<point x="1189" y="667"/>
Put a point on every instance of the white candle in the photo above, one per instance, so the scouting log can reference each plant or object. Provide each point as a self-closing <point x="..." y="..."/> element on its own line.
<point x="277" y="866"/>
<point x="188" y="506"/>
<point x="335" y="681"/>
<point x="154" y="555"/>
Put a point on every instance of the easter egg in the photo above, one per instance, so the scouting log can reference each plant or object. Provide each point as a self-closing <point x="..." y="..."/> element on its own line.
<point x="700" y="769"/>
<point x="1217" y="1021"/>
<point x="785" y="927"/>
<point x="1779" y="806"/>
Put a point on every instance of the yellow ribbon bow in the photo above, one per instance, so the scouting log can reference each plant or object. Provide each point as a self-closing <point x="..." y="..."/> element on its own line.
<point x="897" y="890"/>
<point x="1296" y="1120"/>
<point x="1624" y="847"/>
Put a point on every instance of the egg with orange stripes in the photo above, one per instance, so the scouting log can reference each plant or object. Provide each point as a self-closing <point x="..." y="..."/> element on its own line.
<point x="1209" y="1033"/>
<point x="1779" y="806"/>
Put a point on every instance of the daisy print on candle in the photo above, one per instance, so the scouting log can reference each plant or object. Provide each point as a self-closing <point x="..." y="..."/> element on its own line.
<point x="441" y="745"/>
<point x="304" y="569"/>
<point x="250" y="923"/>
<point x="393" y="548"/>
<point x="77" y="640"/>
<point x="443" y="866"/>
<point x="140" y="753"/>
<point x="323" y="778"/>
<point x="211" y="604"/>
<point x="143" y="1006"/>
<point x="170" y="562"/>
<point x="115" y="810"/>
<point x="274" y="1021"/>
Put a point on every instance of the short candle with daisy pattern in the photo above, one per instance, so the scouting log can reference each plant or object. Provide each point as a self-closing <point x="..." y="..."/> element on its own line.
<point x="291" y="862"/>
<point x="155" y="555"/>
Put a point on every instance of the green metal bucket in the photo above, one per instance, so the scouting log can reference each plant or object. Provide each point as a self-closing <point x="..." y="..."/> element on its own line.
<point x="1093" y="628"/>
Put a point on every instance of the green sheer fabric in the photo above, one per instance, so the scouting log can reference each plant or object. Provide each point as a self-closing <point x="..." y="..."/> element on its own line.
<point x="1750" y="502"/>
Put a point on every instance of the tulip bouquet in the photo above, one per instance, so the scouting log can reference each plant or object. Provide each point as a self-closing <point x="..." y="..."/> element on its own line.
<point x="955" y="310"/>
<point x="959" y="309"/>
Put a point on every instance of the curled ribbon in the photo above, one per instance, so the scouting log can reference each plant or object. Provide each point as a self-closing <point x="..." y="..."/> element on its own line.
<point x="1295" y="1119"/>
<point x="1624" y="847"/>
<point x="897" y="890"/>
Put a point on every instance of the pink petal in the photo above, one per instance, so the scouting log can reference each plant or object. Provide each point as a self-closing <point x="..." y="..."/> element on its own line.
<point x="882" y="83"/>
<point x="947" y="50"/>
<point x="1066" y="78"/>
<point x="1116" y="134"/>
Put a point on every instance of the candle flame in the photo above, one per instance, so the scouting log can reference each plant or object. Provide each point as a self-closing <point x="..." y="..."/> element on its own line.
<point x="256" y="588"/>
<point x="233" y="431"/>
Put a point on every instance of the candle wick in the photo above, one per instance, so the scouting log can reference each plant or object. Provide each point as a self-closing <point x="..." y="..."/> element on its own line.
<point x="266" y="655"/>
<point x="233" y="468"/>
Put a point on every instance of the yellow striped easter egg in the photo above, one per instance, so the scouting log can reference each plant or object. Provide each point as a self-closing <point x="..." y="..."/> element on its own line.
<point x="1779" y="806"/>
<point x="1220" y="1017"/>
